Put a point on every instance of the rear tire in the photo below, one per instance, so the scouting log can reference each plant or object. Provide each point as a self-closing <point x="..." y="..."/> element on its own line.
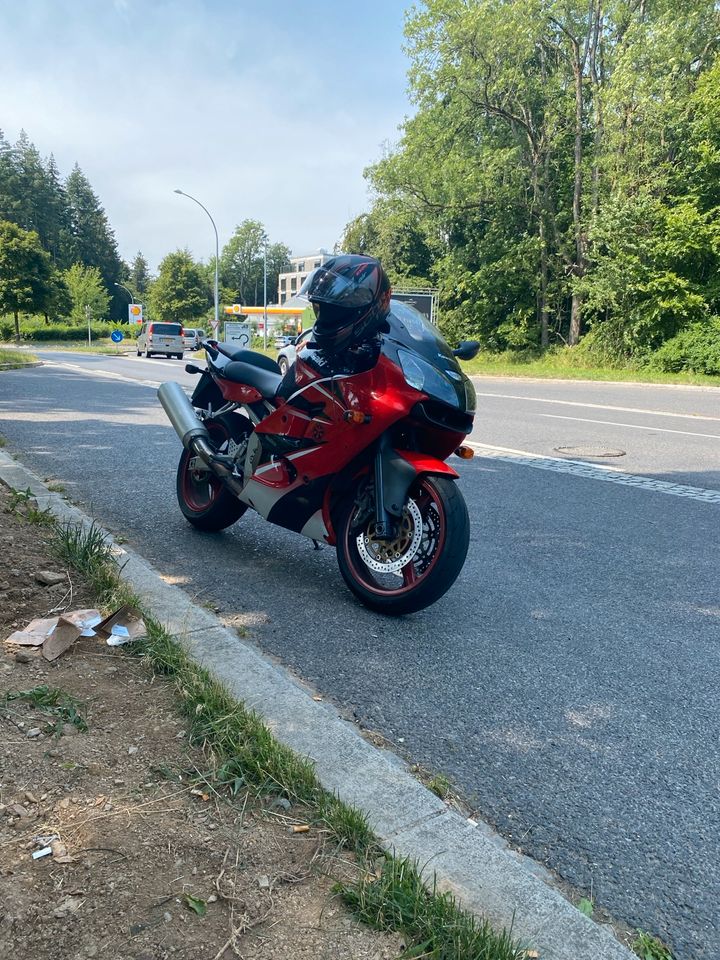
<point x="204" y="499"/>
<point x="147" y="354"/>
<point x="436" y="561"/>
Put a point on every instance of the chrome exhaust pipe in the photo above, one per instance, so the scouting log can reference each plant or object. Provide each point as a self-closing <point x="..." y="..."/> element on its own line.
<point x="192" y="432"/>
<point x="181" y="414"/>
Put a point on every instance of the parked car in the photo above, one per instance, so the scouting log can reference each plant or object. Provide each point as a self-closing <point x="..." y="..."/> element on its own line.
<point x="192" y="337"/>
<point x="164" y="338"/>
<point x="283" y="341"/>
<point x="286" y="355"/>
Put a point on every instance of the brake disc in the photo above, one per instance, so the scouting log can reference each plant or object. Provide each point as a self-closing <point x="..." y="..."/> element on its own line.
<point x="390" y="556"/>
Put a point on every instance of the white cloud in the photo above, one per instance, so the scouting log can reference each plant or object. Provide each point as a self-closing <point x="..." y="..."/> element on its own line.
<point x="241" y="111"/>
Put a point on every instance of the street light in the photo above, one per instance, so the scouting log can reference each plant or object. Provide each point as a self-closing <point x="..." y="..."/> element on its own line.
<point x="217" y="255"/>
<point x="126" y="289"/>
<point x="265" y="295"/>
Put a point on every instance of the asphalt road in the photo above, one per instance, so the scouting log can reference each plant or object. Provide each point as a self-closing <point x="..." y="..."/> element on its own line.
<point x="568" y="684"/>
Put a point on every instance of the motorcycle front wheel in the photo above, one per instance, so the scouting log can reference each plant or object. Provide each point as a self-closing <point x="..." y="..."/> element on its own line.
<point x="422" y="561"/>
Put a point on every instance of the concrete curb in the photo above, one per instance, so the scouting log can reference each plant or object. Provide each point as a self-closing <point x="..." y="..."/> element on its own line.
<point x="22" y="366"/>
<point x="488" y="877"/>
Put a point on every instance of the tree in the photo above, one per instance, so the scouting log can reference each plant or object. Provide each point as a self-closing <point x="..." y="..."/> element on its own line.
<point x="180" y="292"/>
<point x="139" y="276"/>
<point x="241" y="262"/>
<point x="89" y="239"/>
<point x="87" y="290"/>
<point x="25" y="273"/>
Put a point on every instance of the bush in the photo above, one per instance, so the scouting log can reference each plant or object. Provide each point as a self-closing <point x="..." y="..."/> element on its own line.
<point x="696" y="349"/>
<point x="36" y="332"/>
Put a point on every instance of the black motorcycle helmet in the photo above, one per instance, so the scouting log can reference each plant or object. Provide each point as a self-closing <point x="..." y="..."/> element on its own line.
<point x="351" y="298"/>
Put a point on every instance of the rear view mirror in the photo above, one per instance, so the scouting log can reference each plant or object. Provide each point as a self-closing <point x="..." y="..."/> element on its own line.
<point x="467" y="349"/>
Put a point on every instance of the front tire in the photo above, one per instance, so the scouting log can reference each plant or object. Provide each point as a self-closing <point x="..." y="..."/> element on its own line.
<point x="204" y="499"/>
<point x="283" y="364"/>
<point x="424" y="560"/>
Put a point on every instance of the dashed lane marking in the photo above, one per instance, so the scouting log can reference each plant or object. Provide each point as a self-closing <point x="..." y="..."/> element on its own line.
<point x="592" y="471"/>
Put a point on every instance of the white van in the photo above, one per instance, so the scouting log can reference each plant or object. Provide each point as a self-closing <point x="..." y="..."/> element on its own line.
<point x="164" y="338"/>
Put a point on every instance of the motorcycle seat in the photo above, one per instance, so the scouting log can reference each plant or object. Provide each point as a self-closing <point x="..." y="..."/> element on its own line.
<point x="256" y="359"/>
<point x="265" y="380"/>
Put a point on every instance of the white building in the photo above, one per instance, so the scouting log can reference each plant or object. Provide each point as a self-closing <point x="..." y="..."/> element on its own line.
<point x="289" y="283"/>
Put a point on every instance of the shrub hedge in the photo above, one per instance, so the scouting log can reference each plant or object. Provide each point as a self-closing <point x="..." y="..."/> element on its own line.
<point x="41" y="332"/>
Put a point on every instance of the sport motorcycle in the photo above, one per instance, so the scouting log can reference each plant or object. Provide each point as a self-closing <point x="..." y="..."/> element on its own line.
<point x="346" y="450"/>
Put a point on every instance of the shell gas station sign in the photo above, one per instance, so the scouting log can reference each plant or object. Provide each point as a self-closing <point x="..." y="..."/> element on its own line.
<point x="135" y="313"/>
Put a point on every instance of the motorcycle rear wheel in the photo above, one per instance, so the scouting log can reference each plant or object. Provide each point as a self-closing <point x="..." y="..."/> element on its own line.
<point x="204" y="499"/>
<point x="406" y="576"/>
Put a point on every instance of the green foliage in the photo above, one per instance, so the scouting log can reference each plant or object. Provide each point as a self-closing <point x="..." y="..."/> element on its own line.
<point x="53" y="701"/>
<point x="560" y="172"/>
<point x="26" y="273"/>
<point x="86" y="290"/>
<point x="66" y="215"/>
<point x="648" y="947"/>
<point x="432" y="922"/>
<point x="242" y="264"/>
<point x="35" y="331"/>
<point x="181" y="292"/>
<point x="695" y="349"/>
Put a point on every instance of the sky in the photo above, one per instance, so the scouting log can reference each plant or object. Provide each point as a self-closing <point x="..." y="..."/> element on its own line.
<point x="268" y="110"/>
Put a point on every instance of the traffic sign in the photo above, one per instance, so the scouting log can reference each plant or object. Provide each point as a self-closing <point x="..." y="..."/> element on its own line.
<point x="117" y="336"/>
<point x="238" y="334"/>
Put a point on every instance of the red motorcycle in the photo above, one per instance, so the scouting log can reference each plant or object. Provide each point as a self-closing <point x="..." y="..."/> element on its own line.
<point x="351" y="452"/>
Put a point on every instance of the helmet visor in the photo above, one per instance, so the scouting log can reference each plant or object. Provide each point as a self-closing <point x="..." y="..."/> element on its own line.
<point x="352" y="293"/>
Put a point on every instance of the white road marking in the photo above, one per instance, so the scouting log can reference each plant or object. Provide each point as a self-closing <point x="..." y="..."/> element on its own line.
<point x="105" y="374"/>
<point x="632" y="426"/>
<point x="600" y="406"/>
<point x="595" y="471"/>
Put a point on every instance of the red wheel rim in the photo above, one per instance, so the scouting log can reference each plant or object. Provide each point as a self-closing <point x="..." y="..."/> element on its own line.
<point x="428" y="500"/>
<point x="200" y="489"/>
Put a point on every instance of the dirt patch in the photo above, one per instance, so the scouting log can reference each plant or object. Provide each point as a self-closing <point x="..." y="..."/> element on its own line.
<point x="149" y="862"/>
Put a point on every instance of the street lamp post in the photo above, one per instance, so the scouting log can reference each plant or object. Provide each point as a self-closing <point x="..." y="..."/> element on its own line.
<point x="127" y="290"/>
<point x="217" y="256"/>
<point x="265" y="295"/>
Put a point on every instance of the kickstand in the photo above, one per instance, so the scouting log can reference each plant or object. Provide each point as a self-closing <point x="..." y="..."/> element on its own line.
<point x="317" y="545"/>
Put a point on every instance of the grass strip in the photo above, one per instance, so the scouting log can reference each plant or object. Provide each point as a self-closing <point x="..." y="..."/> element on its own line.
<point x="15" y="359"/>
<point x="246" y="756"/>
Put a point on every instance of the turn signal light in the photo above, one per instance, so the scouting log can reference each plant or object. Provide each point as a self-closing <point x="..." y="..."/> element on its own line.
<point x="467" y="453"/>
<point x="354" y="416"/>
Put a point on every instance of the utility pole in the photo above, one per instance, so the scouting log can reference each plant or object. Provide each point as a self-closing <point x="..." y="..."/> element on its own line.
<point x="87" y="315"/>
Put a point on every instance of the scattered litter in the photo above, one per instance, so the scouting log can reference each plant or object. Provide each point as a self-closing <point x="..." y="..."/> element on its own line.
<point x="300" y="828"/>
<point x="132" y="750"/>
<point x="318" y="699"/>
<point x="35" y="633"/>
<point x="57" y="634"/>
<point x="471" y="822"/>
<point x="264" y="882"/>
<point x="49" y="578"/>
<point x="33" y="732"/>
<point x="200" y="793"/>
<point x="45" y="852"/>
<point x="63" y="636"/>
<point x="123" y="626"/>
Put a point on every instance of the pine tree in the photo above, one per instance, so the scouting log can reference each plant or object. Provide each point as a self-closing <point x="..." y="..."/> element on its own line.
<point x="89" y="238"/>
<point x="139" y="276"/>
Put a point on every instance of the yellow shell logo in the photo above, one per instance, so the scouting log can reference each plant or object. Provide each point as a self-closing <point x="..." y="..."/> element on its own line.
<point x="135" y="311"/>
<point x="236" y="308"/>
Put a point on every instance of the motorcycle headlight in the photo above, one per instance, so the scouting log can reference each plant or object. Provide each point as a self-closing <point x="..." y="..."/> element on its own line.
<point x="423" y="376"/>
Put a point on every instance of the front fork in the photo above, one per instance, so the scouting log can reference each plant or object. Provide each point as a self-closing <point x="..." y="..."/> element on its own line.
<point x="393" y="478"/>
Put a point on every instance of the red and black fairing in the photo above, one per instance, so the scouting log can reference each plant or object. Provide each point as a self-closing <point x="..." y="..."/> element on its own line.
<point x="312" y="448"/>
